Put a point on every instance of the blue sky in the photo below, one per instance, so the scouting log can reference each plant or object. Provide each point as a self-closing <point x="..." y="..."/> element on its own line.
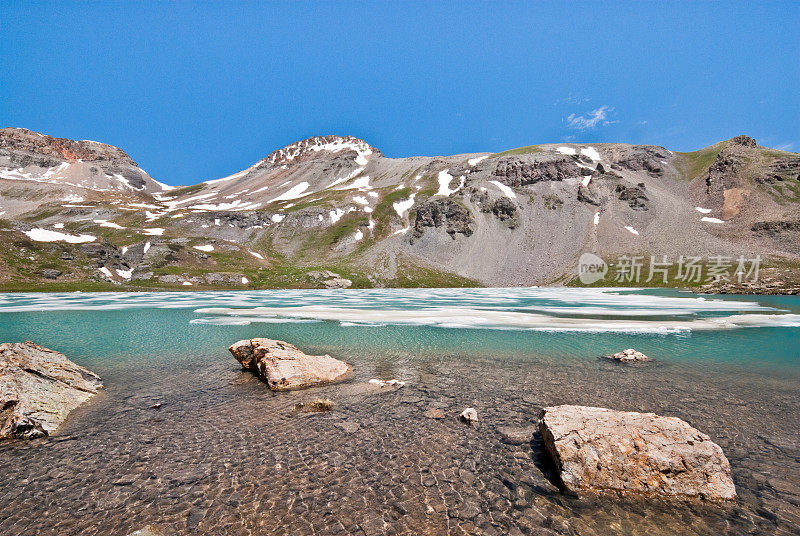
<point x="194" y="91"/>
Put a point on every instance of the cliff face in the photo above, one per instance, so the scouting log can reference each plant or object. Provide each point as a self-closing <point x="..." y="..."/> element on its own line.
<point x="520" y="217"/>
<point x="72" y="166"/>
<point x="21" y="141"/>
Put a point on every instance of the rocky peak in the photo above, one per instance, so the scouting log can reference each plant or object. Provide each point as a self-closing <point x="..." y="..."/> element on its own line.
<point x="744" y="141"/>
<point x="28" y="141"/>
<point x="330" y="143"/>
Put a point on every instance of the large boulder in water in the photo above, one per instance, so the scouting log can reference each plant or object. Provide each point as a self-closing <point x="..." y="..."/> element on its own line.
<point x="284" y="367"/>
<point x="599" y="449"/>
<point x="38" y="389"/>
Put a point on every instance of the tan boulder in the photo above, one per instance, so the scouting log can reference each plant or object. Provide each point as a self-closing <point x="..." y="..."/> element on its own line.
<point x="628" y="356"/>
<point x="599" y="449"/>
<point x="38" y="389"/>
<point x="284" y="367"/>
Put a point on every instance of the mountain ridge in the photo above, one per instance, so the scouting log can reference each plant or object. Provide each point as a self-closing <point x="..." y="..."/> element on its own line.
<point x="337" y="204"/>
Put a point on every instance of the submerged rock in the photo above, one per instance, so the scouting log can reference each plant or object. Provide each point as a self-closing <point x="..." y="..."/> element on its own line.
<point x="516" y="435"/>
<point x="599" y="449"/>
<point x="387" y="383"/>
<point x="434" y="413"/>
<point x="318" y="405"/>
<point x="628" y="356"/>
<point x="469" y="416"/>
<point x="284" y="367"/>
<point x="38" y="389"/>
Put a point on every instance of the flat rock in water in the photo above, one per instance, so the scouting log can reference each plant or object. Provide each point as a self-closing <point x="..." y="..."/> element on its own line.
<point x="628" y="356"/>
<point x="38" y="389"/>
<point x="599" y="449"/>
<point x="516" y="435"/>
<point x="284" y="367"/>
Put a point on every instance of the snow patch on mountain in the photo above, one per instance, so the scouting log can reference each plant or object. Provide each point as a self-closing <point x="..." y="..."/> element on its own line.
<point x="508" y="192"/>
<point x="46" y="235"/>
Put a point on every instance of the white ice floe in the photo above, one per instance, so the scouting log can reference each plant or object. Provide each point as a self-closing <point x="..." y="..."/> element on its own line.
<point x="508" y="192"/>
<point x="401" y="207"/>
<point x="207" y="247"/>
<point x="277" y="218"/>
<point x="45" y="235"/>
<point x="591" y="152"/>
<point x="703" y="210"/>
<point x="155" y="231"/>
<point x="566" y="150"/>
<point x="632" y="230"/>
<point x="256" y="255"/>
<point x="473" y="161"/>
<point x="711" y="220"/>
<point x="483" y="317"/>
<point x="596" y="218"/>
<point x="106" y="223"/>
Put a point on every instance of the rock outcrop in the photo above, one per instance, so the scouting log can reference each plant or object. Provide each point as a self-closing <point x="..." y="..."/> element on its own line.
<point x="47" y="151"/>
<point x="643" y="158"/>
<point x="634" y="196"/>
<point x="283" y="367"/>
<point x="38" y="389"/>
<point x="520" y="173"/>
<point x="599" y="450"/>
<point x="442" y="212"/>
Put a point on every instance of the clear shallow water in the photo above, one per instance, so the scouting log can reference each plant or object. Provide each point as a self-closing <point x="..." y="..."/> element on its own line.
<point x="507" y="352"/>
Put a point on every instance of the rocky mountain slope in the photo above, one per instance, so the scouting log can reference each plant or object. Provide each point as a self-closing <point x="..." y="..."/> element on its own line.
<point x="334" y="211"/>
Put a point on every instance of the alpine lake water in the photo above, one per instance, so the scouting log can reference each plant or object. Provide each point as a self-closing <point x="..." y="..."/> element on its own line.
<point x="224" y="455"/>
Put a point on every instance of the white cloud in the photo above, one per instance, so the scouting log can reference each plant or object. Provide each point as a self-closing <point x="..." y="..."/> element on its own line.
<point x="595" y="118"/>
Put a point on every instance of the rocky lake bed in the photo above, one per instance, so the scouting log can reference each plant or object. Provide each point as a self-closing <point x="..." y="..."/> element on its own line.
<point x="183" y="440"/>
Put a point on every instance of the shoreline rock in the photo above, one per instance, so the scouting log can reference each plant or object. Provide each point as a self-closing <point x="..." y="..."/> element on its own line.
<point x="601" y="450"/>
<point x="283" y="367"/>
<point x="38" y="389"/>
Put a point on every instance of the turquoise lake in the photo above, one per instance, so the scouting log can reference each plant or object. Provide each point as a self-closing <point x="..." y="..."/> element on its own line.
<point x="223" y="455"/>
